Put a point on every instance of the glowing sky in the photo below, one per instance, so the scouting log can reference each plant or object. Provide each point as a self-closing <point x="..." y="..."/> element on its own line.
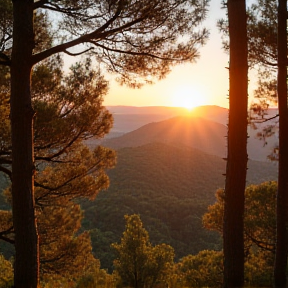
<point x="188" y="85"/>
<point x="200" y="83"/>
<point x="204" y="82"/>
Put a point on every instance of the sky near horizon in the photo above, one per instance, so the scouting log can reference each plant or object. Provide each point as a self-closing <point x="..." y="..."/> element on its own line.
<point x="202" y="83"/>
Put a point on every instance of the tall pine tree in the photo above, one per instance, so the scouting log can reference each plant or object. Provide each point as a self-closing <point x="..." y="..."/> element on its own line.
<point x="233" y="237"/>
<point x="280" y="267"/>
<point x="132" y="38"/>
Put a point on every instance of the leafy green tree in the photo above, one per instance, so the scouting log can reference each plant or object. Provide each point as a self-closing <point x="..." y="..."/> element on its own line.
<point x="138" y="263"/>
<point x="131" y="38"/>
<point x="262" y="33"/>
<point x="262" y="57"/>
<point x="233" y="242"/>
<point x="96" y="277"/>
<point x="202" y="270"/>
<point x="259" y="269"/>
<point x="259" y="217"/>
<point x="6" y="276"/>
<point x="259" y="230"/>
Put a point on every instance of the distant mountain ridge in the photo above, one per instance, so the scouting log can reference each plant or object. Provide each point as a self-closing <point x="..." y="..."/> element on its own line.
<point x="148" y="110"/>
<point x="193" y="132"/>
<point x="129" y="119"/>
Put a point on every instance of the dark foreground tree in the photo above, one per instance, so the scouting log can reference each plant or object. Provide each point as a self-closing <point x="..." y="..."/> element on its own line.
<point x="233" y="238"/>
<point x="259" y="230"/>
<point x="132" y="38"/>
<point x="69" y="112"/>
<point x="280" y="267"/>
<point x="259" y="217"/>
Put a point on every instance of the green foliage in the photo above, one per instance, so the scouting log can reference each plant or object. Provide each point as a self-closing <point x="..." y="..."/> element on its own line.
<point x="138" y="263"/>
<point x="4" y="183"/>
<point x="262" y="33"/>
<point x="259" y="230"/>
<point x="96" y="277"/>
<point x="170" y="207"/>
<point x="6" y="275"/>
<point x="101" y="243"/>
<point x="69" y="110"/>
<point x="259" y="269"/>
<point x="202" y="270"/>
<point x="260" y="217"/>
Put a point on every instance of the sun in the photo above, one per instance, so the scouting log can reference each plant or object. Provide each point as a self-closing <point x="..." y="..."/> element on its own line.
<point x="187" y="97"/>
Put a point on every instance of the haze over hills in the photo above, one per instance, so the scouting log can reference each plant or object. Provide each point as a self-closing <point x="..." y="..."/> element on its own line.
<point x="193" y="132"/>
<point x="128" y="119"/>
<point x="163" y="174"/>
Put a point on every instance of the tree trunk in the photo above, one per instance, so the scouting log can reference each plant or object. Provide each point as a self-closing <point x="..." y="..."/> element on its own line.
<point x="26" y="267"/>
<point x="282" y="197"/>
<point x="233" y="226"/>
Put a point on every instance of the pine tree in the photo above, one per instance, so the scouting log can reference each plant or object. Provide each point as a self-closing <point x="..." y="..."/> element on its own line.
<point x="70" y="111"/>
<point x="280" y="267"/>
<point x="132" y="38"/>
<point x="138" y="263"/>
<point x="233" y="235"/>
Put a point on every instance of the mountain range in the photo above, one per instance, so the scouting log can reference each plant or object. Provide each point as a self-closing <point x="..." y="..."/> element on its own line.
<point x="168" y="171"/>
<point x="169" y="166"/>
<point x="204" y="128"/>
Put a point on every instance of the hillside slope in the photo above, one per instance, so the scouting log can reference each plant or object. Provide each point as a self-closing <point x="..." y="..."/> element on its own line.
<point x="171" y="189"/>
<point x="193" y="132"/>
<point x="129" y="118"/>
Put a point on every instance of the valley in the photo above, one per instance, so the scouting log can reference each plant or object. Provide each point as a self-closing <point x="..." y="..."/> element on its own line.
<point x="167" y="172"/>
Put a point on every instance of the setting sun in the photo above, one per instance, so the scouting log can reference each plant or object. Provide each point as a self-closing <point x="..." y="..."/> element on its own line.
<point x="188" y="97"/>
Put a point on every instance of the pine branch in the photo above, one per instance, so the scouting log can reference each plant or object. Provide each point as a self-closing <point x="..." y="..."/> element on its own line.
<point x="5" y="238"/>
<point x="77" y="54"/>
<point x="4" y="59"/>
<point x="97" y="34"/>
<point x="264" y="119"/>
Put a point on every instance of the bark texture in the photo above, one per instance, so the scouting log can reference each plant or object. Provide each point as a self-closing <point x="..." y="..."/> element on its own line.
<point x="26" y="239"/>
<point x="280" y="266"/>
<point x="233" y="237"/>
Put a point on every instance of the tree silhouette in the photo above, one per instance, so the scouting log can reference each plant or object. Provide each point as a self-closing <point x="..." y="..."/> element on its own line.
<point x="280" y="267"/>
<point x="132" y="38"/>
<point x="233" y="238"/>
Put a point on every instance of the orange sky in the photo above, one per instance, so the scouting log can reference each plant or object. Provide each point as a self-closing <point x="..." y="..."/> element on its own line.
<point x="204" y="82"/>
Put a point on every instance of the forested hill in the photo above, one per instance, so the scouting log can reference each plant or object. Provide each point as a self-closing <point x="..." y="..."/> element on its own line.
<point x="170" y="187"/>
<point x="193" y="132"/>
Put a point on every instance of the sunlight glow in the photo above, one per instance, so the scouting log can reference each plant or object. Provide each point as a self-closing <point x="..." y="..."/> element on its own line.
<point x="188" y="97"/>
